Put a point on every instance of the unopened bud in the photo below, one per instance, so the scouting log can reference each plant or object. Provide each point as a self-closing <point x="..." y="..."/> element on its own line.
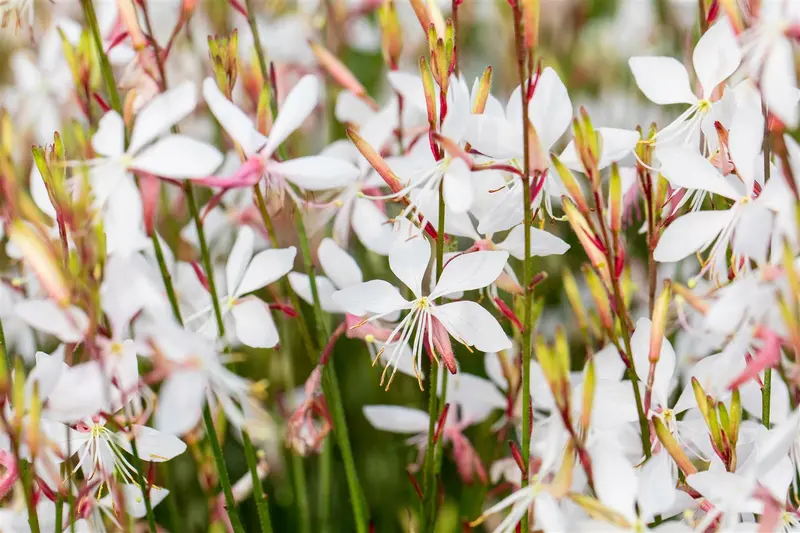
<point x="442" y="345"/>
<point x="660" y="310"/>
<point x="530" y="17"/>
<point x="339" y="72"/>
<point x="483" y="92"/>
<point x="570" y="183"/>
<point x="590" y="242"/>
<point x="34" y="417"/>
<point x="421" y="11"/>
<point x="589" y="383"/>
<point x="264" y="113"/>
<point x="574" y="298"/>
<point x="600" y="298"/>
<point x="127" y="13"/>
<point x="700" y="398"/>
<point x="391" y="34"/>
<point x="615" y="199"/>
<point x="18" y="394"/>
<point x="673" y="448"/>
<point x="40" y="259"/>
<point x="429" y="90"/>
<point x="224" y="54"/>
<point x="377" y="162"/>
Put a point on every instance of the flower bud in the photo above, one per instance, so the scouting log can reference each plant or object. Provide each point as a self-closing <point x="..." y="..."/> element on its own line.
<point x="574" y="298"/>
<point x="701" y="399"/>
<point x="600" y="297"/>
<point x="264" y="116"/>
<point x="377" y="162"/>
<point x="572" y="186"/>
<point x="590" y="242"/>
<point x="41" y="259"/>
<point x="340" y="73"/>
<point x="589" y="382"/>
<point x="673" y="448"/>
<point x="430" y="93"/>
<point x="127" y="13"/>
<point x="34" y="419"/>
<point x="660" y="310"/>
<point x="442" y="345"/>
<point x="530" y="17"/>
<point x="18" y="394"/>
<point x="224" y="54"/>
<point x="483" y="92"/>
<point x="391" y="34"/>
<point x="615" y="199"/>
<point x="421" y="11"/>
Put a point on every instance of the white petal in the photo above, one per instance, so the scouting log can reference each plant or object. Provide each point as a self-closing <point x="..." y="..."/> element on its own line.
<point x="663" y="80"/>
<point x="457" y="185"/>
<point x="409" y="86"/>
<point x="755" y="222"/>
<point x="471" y="324"/>
<point x="550" y="109"/>
<point x="134" y="499"/>
<point x="615" y="144"/>
<point x="351" y="108"/>
<point x="299" y="103"/>
<point x="542" y="243"/>
<point x="80" y="393"/>
<point x="779" y="83"/>
<point x="409" y="260"/>
<point x="178" y="156"/>
<point x="493" y="136"/>
<point x="239" y="258"/>
<point x="232" y="119"/>
<point x="376" y="296"/>
<point x="316" y="172"/>
<point x="656" y="487"/>
<point x="615" y="480"/>
<point x="640" y="346"/>
<point x="301" y="285"/>
<point x="110" y="137"/>
<point x="494" y="369"/>
<point x="716" y="56"/>
<point x="470" y="271"/>
<point x="477" y="397"/>
<point x="161" y="113"/>
<point x="123" y="220"/>
<point x="745" y="140"/>
<point x="685" y="167"/>
<point x="396" y="419"/>
<point x="689" y="234"/>
<point x="338" y="265"/>
<point x="156" y="447"/>
<point x="69" y="324"/>
<point x="180" y="402"/>
<point x="372" y="227"/>
<point x="254" y="324"/>
<point x="778" y="442"/>
<point x="266" y="267"/>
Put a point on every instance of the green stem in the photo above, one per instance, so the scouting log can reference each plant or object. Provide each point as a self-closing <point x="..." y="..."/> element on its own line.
<point x="330" y="387"/>
<point x="766" y="390"/>
<point x="105" y="64"/>
<point x="222" y="470"/>
<point x="172" y="506"/>
<point x="258" y="490"/>
<point x="526" y="264"/>
<point x="429" y="476"/>
<point x="325" y="482"/>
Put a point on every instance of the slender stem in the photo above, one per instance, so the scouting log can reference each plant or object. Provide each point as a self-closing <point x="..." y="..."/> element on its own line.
<point x="105" y="64"/>
<point x="526" y="264"/>
<point x="251" y="21"/>
<point x="325" y="482"/>
<point x="172" y="506"/>
<point x="224" y="479"/>
<point x="166" y="277"/>
<point x="27" y="483"/>
<point x="766" y="390"/>
<point x="330" y="387"/>
<point x="258" y="489"/>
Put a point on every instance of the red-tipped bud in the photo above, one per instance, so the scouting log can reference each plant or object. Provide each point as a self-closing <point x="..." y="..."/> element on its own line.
<point x="442" y="345"/>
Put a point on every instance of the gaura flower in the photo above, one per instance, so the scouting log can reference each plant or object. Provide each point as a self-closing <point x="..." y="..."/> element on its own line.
<point x="466" y="321"/>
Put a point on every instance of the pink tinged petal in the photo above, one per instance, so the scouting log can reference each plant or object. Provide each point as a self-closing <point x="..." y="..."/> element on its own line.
<point x="156" y="447"/>
<point x="376" y="296"/>
<point x="247" y="175"/>
<point x="550" y="109"/>
<point x="442" y="345"/>
<point x="177" y="157"/>
<point x="342" y="269"/>
<point x="372" y="227"/>
<point x="109" y="140"/>
<point x="80" y="393"/>
<point x="254" y="324"/>
<point x="472" y="325"/>
<point x="180" y="402"/>
<point x="239" y="258"/>
<point x="301" y="285"/>
<point x="745" y="140"/>
<point x="685" y="167"/>
<point x="470" y="271"/>
<point x="615" y="480"/>
<point x="299" y="103"/>
<point x="458" y="194"/>
<point x="396" y="419"/>
<point x="493" y="136"/>
<point x="542" y="243"/>
<point x="768" y="356"/>
<point x="409" y="260"/>
<point x="779" y="83"/>
<point x="665" y="368"/>
<point x="232" y="119"/>
<point x="716" y="56"/>
<point x="663" y="80"/>
<point x="690" y="233"/>
<point x="316" y="172"/>
<point x="69" y="324"/>
<point x="265" y="268"/>
<point x="161" y="113"/>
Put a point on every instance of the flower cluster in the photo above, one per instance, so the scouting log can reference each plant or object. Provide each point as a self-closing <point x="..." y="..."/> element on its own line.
<point x="598" y="326"/>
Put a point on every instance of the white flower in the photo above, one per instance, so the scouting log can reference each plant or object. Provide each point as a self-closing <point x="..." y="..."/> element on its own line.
<point x="665" y="81"/>
<point x="468" y="322"/>
<point x="249" y="316"/>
